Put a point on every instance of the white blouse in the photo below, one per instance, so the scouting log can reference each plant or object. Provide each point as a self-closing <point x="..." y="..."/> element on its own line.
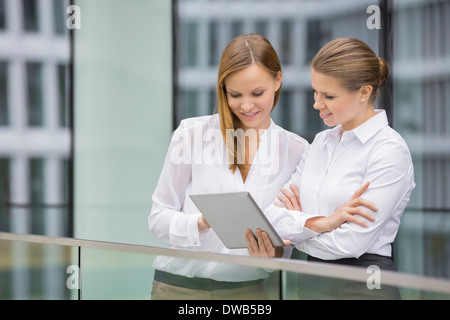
<point x="333" y="168"/>
<point x="196" y="162"/>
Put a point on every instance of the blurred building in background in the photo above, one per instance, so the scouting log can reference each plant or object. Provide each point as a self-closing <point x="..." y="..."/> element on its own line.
<point x="34" y="133"/>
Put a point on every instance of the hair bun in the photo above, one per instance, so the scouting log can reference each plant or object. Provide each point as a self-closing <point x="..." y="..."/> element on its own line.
<point x="384" y="72"/>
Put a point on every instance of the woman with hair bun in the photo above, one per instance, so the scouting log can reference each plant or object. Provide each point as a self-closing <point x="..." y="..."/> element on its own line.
<point x="361" y="148"/>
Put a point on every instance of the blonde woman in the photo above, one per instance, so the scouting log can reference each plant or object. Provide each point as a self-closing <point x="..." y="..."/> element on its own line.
<point x="346" y="76"/>
<point x="238" y="149"/>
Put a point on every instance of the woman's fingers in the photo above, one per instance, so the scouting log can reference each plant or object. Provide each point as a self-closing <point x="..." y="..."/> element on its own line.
<point x="363" y="213"/>
<point x="296" y="192"/>
<point x="287" y="202"/>
<point x="289" y="195"/>
<point x="265" y="242"/>
<point x="253" y="248"/>
<point x="259" y="244"/>
<point x="360" y="191"/>
<point x="278" y="204"/>
<point x="363" y="202"/>
<point x="263" y="248"/>
<point x="353" y="213"/>
<point x="360" y="222"/>
<point x="290" y="199"/>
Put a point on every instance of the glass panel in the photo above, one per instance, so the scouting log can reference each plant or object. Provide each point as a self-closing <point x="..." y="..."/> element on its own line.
<point x="31" y="271"/>
<point x="115" y="275"/>
<point x="110" y="274"/>
<point x="123" y="115"/>
<point x="421" y="93"/>
<point x="309" y="287"/>
<point x="298" y="286"/>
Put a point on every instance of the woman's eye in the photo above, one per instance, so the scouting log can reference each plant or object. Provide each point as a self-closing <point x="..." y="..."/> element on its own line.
<point x="234" y="95"/>
<point x="257" y="94"/>
<point x="329" y="97"/>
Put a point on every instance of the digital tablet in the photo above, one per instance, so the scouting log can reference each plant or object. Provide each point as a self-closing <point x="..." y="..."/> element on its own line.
<point x="231" y="214"/>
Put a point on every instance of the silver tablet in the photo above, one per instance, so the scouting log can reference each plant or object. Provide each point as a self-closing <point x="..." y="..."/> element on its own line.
<point x="231" y="214"/>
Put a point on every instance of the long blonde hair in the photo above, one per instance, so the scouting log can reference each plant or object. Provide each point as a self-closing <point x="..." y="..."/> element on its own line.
<point x="240" y="53"/>
<point x="353" y="63"/>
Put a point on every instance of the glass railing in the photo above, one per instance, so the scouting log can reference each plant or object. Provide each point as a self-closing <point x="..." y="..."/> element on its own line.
<point x="34" y="267"/>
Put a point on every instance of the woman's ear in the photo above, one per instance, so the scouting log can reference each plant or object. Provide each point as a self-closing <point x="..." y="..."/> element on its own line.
<point x="366" y="91"/>
<point x="278" y="80"/>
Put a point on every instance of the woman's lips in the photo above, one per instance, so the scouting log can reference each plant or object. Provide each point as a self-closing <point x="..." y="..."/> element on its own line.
<point x="325" y="115"/>
<point x="250" y="115"/>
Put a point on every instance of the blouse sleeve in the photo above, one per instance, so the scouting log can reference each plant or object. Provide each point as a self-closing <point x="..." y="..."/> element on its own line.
<point x="166" y="219"/>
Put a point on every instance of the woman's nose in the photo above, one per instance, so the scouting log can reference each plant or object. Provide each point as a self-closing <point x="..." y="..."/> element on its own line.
<point x="247" y="105"/>
<point x="318" y="104"/>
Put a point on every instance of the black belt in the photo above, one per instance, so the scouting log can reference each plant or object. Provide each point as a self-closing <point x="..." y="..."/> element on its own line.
<point x="366" y="260"/>
<point x="201" y="283"/>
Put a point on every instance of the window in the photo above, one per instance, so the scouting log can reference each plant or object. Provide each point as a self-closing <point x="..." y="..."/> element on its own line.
<point x="4" y="195"/>
<point x="37" y="195"/>
<point x="59" y="14"/>
<point x="34" y="94"/>
<point x="62" y="95"/>
<point x="4" y="112"/>
<point x="30" y="15"/>
<point x="2" y="15"/>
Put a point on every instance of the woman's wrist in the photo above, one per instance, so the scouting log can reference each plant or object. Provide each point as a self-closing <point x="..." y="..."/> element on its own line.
<point x="279" y="252"/>
<point x="202" y="224"/>
<point x="317" y="224"/>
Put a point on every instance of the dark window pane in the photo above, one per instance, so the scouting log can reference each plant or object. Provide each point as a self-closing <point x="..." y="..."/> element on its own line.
<point x="62" y="95"/>
<point x="4" y="195"/>
<point x="4" y="114"/>
<point x="59" y="15"/>
<point x="30" y="15"/>
<point x="2" y="15"/>
<point x="35" y="103"/>
<point x="36" y="195"/>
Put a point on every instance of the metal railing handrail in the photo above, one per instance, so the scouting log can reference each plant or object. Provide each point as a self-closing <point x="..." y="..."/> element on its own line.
<point x="392" y="278"/>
